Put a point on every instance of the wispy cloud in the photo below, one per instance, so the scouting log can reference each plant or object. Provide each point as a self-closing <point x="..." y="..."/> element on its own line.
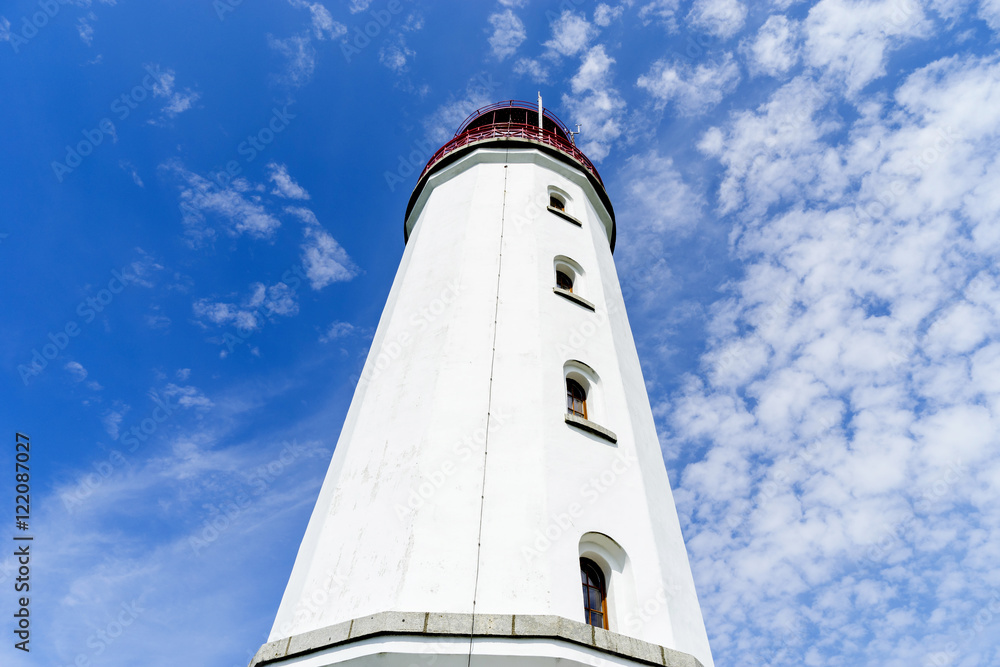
<point x="337" y="330"/>
<point x="323" y="25"/>
<point x="176" y="102"/>
<point x="76" y="370"/>
<point x="85" y="28"/>
<point x="300" y="56"/>
<point x="260" y="303"/>
<point x="325" y="261"/>
<point x="394" y="53"/>
<point x="237" y="206"/>
<point x="284" y="186"/>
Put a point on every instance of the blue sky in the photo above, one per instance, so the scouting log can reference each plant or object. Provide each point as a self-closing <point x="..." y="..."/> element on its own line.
<point x="203" y="214"/>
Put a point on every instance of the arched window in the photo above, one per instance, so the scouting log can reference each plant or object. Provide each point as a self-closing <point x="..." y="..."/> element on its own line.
<point x="564" y="280"/>
<point x="576" y="398"/>
<point x="595" y="594"/>
<point x="557" y="203"/>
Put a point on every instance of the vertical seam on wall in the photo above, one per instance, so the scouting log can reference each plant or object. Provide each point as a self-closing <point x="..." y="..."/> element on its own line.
<point x="489" y="408"/>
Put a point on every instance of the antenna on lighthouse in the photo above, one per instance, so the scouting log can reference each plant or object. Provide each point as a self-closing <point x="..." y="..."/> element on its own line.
<point x="540" y="124"/>
<point x="572" y="134"/>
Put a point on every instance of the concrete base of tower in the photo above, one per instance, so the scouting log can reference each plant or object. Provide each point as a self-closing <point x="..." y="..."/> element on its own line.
<point x="420" y="639"/>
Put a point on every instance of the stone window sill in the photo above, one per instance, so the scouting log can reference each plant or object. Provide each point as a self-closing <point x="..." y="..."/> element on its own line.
<point x="565" y="216"/>
<point x="591" y="427"/>
<point x="574" y="298"/>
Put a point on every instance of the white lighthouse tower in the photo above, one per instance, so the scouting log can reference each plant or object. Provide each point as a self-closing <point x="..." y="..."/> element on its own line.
<point x="497" y="496"/>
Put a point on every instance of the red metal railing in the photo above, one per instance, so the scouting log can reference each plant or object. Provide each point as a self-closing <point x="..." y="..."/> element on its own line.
<point x="513" y="131"/>
<point x="528" y="107"/>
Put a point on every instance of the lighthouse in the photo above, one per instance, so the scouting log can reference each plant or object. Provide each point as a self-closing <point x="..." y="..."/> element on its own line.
<point x="497" y="495"/>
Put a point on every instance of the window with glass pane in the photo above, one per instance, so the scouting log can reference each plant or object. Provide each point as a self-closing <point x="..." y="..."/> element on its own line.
<point x="576" y="398"/>
<point x="564" y="281"/>
<point x="595" y="599"/>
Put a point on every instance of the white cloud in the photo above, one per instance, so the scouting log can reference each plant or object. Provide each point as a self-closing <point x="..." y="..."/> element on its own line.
<point x="989" y="11"/>
<point x="241" y="211"/>
<point x="358" y="6"/>
<point x="848" y="39"/>
<point x="188" y="482"/>
<point x="693" y="89"/>
<point x="571" y="33"/>
<point x="848" y="396"/>
<point x="301" y="57"/>
<point x="722" y="18"/>
<point x="112" y="421"/>
<point x="442" y="123"/>
<point x="604" y="14"/>
<point x="337" y="330"/>
<point x="324" y="260"/>
<point x="85" y="29"/>
<point x="284" y="186"/>
<point x="143" y="268"/>
<point x="4" y="29"/>
<point x="394" y="54"/>
<point x="508" y="34"/>
<point x="771" y="154"/>
<point x="131" y="171"/>
<point x="663" y="11"/>
<point x="323" y="24"/>
<point x="188" y="397"/>
<point x="249" y="313"/>
<point x="163" y="87"/>
<point x="533" y="68"/>
<point x="774" y="50"/>
<point x="77" y="370"/>
<point x="596" y="104"/>
<point x="661" y="208"/>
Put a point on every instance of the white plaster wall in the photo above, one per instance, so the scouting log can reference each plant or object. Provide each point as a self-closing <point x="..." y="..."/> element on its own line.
<point x="480" y="225"/>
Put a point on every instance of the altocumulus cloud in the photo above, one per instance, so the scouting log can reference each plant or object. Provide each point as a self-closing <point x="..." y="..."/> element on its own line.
<point x="847" y="400"/>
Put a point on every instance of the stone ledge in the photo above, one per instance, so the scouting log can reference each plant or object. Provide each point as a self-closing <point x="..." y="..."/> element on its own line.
<point x="565" y="216"/>
<point x="466" y="625"/>
<point x="576" y="298"/>
<point x="591" y="427"/>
